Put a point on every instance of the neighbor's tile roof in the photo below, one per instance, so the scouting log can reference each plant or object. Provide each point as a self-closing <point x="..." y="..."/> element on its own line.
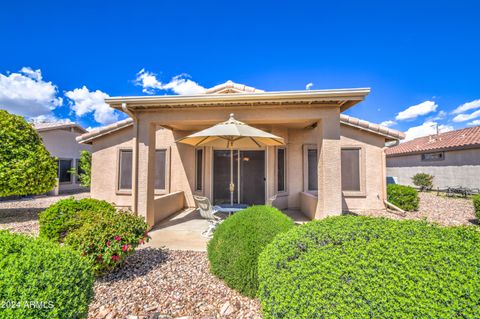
<point x="104" y="130"/>
<point x="464" y="138"/>
<point x="56" y="125"/>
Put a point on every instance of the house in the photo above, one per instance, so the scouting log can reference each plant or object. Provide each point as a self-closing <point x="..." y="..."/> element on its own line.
<point x="453" y="158"/>
<point x="330" y="162"/>
<point x="60" y="140"/>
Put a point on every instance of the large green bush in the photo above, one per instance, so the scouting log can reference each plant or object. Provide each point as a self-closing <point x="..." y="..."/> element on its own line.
<point x="423" y="180"/>
<point x="237" y="242"/>
<point x="39" y="279"/>
<point x="26" y="167"/>
<point x="69" y="214"/>
<point x="476" y="205"/>
<point x="363" y="267"/>
<point x="108" y="240"/>
<point x="405" y="197"/>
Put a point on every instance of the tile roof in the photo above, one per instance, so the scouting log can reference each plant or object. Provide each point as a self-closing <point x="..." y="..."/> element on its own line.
<point x="463" y="138"/>
<point x="344" y="119"/>
<point x="56" y="125"/>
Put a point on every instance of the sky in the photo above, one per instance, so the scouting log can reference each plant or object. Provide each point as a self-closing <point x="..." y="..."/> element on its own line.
<point x="421" y="59"/>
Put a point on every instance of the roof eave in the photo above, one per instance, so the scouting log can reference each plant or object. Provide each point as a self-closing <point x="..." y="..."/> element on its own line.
<point x="347" y="97"/>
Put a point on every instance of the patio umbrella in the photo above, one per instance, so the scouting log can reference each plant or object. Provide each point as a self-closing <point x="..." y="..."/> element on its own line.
<point x="232" y="133"/>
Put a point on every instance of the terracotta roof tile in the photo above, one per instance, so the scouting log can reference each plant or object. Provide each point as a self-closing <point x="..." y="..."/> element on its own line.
<point x="463" y="138"/>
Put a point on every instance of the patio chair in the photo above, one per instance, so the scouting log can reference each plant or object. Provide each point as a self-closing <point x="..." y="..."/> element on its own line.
<point x="207" y="211"/>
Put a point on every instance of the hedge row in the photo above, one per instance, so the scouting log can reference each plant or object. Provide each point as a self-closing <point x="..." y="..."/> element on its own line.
<point x="40" y="279"/>
<point x="360" y="267"/>
<point x="476" y="205"/>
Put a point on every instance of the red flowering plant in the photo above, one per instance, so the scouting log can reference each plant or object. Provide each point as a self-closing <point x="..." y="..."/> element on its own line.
<point x="106" y="242"/>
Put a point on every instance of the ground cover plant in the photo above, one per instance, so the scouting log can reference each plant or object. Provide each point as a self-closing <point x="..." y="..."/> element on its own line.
<point x="237" y="242"/>
<point x="404" y="197"/>
<point x="41" y="279"/>
<point x="363" y="267"/>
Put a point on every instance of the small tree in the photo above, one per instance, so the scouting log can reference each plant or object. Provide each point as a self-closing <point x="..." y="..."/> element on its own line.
<point x="26" y="167"/>
<point x="423" y="180"/>
<point x="84" y="168"/>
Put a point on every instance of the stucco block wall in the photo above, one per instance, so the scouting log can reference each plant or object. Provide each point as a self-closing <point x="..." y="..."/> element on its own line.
<point x="459" y="168"/>
<point x="61" y="143"/>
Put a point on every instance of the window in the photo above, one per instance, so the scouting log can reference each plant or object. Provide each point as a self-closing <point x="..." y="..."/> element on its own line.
<point x="199" y="169"/>
<point x="433" y="156"/>
<point x="281" y="152"/>
<point x="125" y="170"/>
<point x="160" y="169"/>
<point x="64" y="167"/>
<point x="312" y="163"/>
<point x="351" y="169"/>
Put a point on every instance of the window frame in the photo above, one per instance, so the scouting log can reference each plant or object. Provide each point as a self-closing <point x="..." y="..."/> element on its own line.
<point x="200" y="190"/>
<point x="122" y="191"/>
<point x="285" y="171"/>
<point x="361" y="171"/>
<point x="166" y="190"/>
<point x="423" y="159"/>
<point x="58" y="170"/>
<point x="306" y="148"/>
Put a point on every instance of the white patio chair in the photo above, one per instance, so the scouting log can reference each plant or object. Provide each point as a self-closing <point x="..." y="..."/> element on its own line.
<point x="207" y="211"/>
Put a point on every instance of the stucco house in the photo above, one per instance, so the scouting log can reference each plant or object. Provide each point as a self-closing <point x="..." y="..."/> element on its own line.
<point x="453" y="158"/>
<point x="330" y="162"/>
<point x="60" y="140"/>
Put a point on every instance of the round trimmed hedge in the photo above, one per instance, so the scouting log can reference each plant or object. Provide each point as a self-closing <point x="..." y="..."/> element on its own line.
<point x="69" y="214"/>
<point x="233" y="251"/>
<point x="361" y="267"/>
<point x="39" y="279"/>
<point x="405" y="197"/>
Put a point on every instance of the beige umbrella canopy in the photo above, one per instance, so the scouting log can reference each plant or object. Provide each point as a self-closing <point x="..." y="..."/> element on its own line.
<point x="230" y="134"/>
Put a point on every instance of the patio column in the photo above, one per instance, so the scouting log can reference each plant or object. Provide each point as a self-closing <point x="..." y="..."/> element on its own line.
<point x="146" y="170"/>
<point x="329" y="167"/>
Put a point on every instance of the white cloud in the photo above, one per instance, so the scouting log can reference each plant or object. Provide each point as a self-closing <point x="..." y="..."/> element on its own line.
<point x="427" y="128"/>
<point x="48" y="118"/>
<point x="466" y="117"/>
<point x="417" y="110"/>
<point x="474" y="123"/>
<point x="309" y="86"/>
<point x="388" y="123"/>
<point x="467" y="106"/>
<point x="25" y="93"/>
<point x="180" y="84"/>
<point x="84" y="101"/>
<point x="440" y="116"/>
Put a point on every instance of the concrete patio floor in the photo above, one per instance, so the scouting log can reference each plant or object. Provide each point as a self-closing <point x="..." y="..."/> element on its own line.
<point x="183" y="230"/>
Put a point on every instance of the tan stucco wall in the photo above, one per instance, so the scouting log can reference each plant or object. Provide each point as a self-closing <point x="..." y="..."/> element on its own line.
<point x="61" y="143"/>
<point x="182" y="166"/>
<point x="459" y="168"/>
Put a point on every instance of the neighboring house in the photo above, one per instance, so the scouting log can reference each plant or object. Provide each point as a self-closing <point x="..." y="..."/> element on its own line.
<point x="60" y="141"/>
<point x="331" y="162"/>
<point x="453" y="158"/>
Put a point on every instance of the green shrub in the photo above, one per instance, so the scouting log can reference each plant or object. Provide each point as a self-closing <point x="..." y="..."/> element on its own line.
<point x="405" y="197"/>
<point x="363" y="267"/>
<point x="237" y="242"/>
<point x="39" y="279"/>
<point x="69" y="214"/>
<point x="423" y="180"/>
<point x="476" y="205"/>
<point x="26" y="167"/>
<point x="107" y="240"/>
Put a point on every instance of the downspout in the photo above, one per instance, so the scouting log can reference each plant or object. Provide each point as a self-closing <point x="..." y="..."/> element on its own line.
<point x="134" y="159"/>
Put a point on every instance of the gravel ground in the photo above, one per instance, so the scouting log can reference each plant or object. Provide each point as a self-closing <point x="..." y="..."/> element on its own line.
<point x="157" y="283"/>
<point x="21" y="215"/>
<point x="448" y="211"/>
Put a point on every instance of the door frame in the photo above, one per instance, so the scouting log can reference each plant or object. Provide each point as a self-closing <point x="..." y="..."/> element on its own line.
<point x="212" y="168"/>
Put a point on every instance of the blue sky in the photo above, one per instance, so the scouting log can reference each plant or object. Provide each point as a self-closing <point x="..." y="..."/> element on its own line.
<point x="58" y="60"/>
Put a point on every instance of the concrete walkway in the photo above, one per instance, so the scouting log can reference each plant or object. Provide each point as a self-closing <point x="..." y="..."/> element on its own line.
<point x="183" y="230"/>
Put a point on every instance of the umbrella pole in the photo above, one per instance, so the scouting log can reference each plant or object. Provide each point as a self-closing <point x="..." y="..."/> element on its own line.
<point x="232" y="186"/>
